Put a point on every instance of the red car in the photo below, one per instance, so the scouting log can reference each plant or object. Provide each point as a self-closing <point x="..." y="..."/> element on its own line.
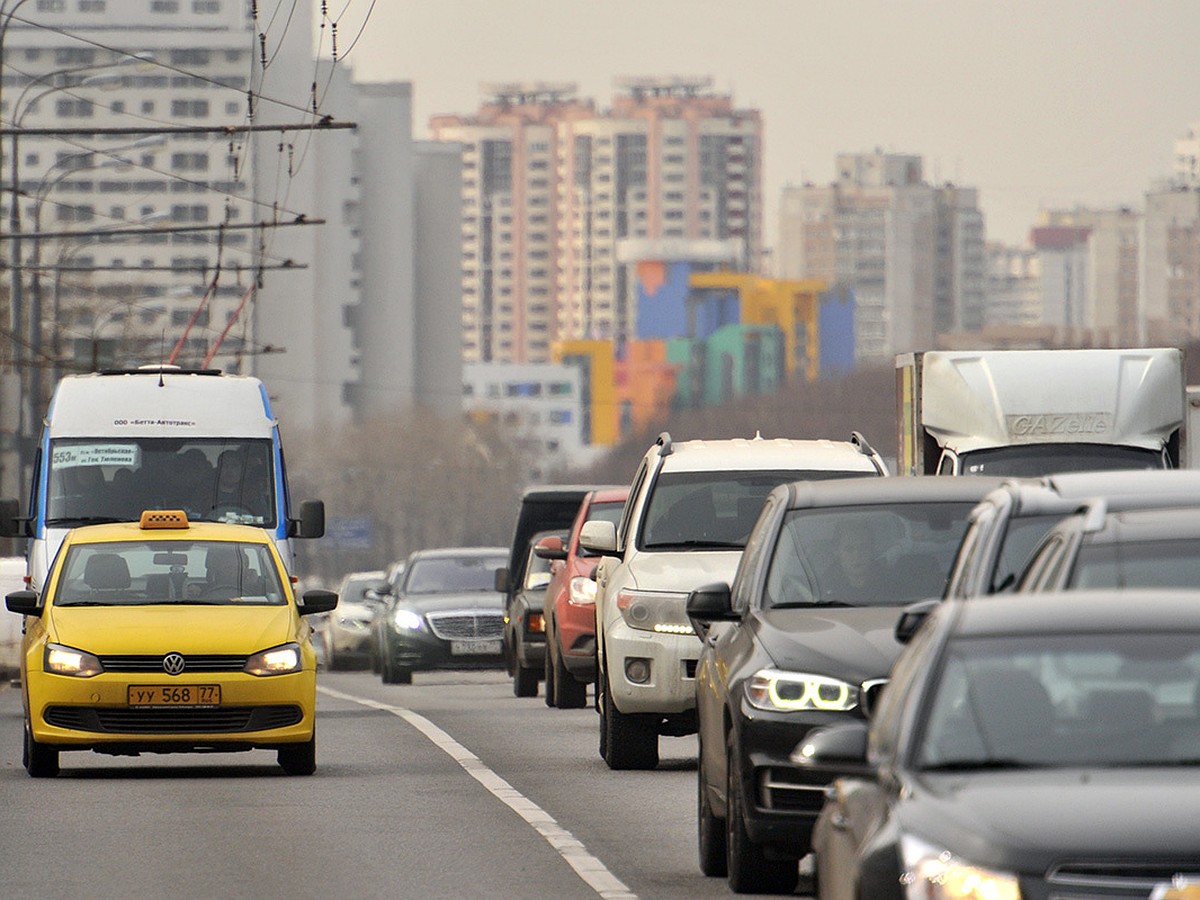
<point x="570" y="605"/>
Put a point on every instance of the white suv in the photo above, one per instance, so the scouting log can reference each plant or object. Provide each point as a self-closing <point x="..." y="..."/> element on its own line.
<point x="690" y="510"/>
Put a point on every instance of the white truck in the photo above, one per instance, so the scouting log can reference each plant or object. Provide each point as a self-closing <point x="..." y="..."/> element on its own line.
<point x="1032" y="412"/>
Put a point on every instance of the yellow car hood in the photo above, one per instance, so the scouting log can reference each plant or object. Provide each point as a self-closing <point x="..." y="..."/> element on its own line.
<point x="106" y="630"/>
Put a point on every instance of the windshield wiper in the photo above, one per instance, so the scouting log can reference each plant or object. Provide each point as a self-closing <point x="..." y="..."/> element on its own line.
<point x="76" y="521"/>
<point x="809" y="604"/>
<point x="694" y="545"/>
<point x="968" y="765"/>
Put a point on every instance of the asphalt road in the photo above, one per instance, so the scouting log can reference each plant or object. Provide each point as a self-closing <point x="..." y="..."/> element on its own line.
<point x="449" y="787"/>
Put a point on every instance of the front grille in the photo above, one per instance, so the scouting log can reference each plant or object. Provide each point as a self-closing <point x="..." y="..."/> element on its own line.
<point x="124" y="720"/>
<point x="197" y="663"/>
<point x="465" y="625"/>
<point x="1124" y="880"/>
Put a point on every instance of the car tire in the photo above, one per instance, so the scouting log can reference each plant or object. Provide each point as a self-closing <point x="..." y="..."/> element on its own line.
<point x="631" y="743"/>
<point x="299" y="759"/>
<point x="525" y="681"/>
<point x="710" y="831"/>
<point x="390" y="673"/>
<point x="549" y="679"/>
<point x="600" y="701"/>
<point x="748" y="868"/>
<point x="568" y="693"/>
<point x="39" y="760"/>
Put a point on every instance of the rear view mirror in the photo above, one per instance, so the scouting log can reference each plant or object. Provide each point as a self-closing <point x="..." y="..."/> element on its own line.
<point x="501" y="582"/>
<point x="11" y="523"/>
<point x="550" y="547"/>
<point x="839" y="746"/>
<point x="170" y="559"/>
<point x="599" y="537"/>
<point x="912" y="618"/>
<point x="317" y="601"/>
<point x="24" y="602"/>
<point x="311" y="523"/>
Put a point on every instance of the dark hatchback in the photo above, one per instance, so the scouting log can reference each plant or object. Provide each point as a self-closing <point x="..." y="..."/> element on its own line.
<point x="445" y="613"/>
<point x="805" y="638"/>
<point x="1028" y="747"/>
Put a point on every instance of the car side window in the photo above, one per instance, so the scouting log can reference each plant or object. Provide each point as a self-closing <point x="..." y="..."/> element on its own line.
<point x="964" y="561"/>
<point x="1046" y="561"/>
<point x="758" y="548"/>
<point x="888" y="721"/>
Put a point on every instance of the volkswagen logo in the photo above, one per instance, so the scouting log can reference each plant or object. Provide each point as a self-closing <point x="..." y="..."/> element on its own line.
<point x="173" y="663"/>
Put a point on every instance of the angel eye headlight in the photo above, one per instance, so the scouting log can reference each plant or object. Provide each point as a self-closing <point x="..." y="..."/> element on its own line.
<point x="780" y="691"/>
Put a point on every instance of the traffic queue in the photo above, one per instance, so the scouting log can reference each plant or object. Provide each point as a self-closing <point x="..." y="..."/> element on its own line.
<point x="874" y="686"/>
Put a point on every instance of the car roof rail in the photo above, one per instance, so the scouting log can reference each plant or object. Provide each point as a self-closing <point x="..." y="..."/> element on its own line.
<point x="664" y="444"/>
<point x="857" y="439"/>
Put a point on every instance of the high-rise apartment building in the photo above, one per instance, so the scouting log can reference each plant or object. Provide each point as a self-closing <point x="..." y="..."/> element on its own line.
<point x="552" y="185"/>
<point x="913" y="253"/>
<point x="1169" y="266"/>
<point x="345" y="302"/>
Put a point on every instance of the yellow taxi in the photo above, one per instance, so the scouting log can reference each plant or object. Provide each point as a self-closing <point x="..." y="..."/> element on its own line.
<point x="163" y="636"/>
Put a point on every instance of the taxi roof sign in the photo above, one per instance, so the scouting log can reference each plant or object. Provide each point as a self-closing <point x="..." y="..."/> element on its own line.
<point x="163" y="518"/>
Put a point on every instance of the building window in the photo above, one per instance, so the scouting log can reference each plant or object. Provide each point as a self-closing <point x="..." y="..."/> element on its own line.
<point x="51" y="6"/>
<point x="191" y="109"/>
<point x="206" y="6"/>
<point x="73" y="108"/>
<point x="189" y="162"/>
<point x="189" y="56"/>
<point x="164" y="6"/>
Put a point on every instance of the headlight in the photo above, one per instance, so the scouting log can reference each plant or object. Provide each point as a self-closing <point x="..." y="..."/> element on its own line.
<point x="62" y="660"/>
<point x="581" y="591"/>
<point x="775" y="689"/>
<point x="649" y="611"/>
<point x="931" y="873"/>
<point x="406" y="620"/>
<point x="276" y="661"/>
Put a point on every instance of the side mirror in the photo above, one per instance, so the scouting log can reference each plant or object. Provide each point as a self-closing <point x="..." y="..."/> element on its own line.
<point x="708" y="604"/>
<point x="24" y="602"/>
<point x="311" y="523"/>
<point x="599" y="537"/>
<point x="501" y="580"/>
<point x="318" y="601"/>
<point x="11" y="523"/>
<point x="550" y="547"/>
<point x="838" y="747"/>
<point x="912" y="618"/>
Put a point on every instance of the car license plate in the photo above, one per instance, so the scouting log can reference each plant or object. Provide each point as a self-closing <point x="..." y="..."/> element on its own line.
<point x="175" y="695"/>
<point x="475" y="648"/>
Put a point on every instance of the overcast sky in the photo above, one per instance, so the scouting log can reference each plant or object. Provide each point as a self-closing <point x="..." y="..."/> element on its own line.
<point x="1034" y="102"/>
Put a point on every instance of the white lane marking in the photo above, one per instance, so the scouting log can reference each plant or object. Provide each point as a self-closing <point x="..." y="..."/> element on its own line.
<point x="571" y="849"/>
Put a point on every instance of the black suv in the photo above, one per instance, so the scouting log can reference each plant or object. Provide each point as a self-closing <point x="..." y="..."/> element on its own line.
<point x="805" y="638"/>
<point x="543" y="508"/>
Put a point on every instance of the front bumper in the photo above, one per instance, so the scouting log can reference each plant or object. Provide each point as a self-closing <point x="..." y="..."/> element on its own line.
<point x="671" y="685"/>
<point x="421" y="651"/>
<point x="783" y="799"/>
<point x="577" y="640"/>
<point x="350" y="640"/>
<point x="95" y="713"/>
